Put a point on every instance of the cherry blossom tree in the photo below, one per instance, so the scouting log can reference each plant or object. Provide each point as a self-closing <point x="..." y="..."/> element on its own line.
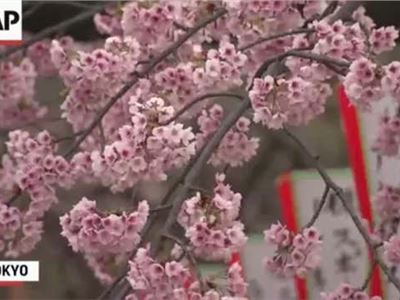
<point x="148" y="101"/>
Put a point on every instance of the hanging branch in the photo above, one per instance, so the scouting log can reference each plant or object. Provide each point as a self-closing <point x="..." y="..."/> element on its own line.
<point x="319" y="208"/>
<point x="197" y="100"/>
<point x="276" y="36"/>
<point x="346" y="204"/>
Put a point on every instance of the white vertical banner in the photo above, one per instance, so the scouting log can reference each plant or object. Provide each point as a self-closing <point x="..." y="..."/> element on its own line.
<point x="263" y="285"/>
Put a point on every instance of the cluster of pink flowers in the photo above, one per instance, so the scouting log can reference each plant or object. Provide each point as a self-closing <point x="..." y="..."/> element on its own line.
<point x="236" y="147"/>
<point x="173" y="280"/>
<point x="17" y="94"/>
<point x="211" y="223"/>
<point x="392" y="249"/>
<point x="151" y="280"/>
<point x="104" y="239"/>
<point x="293" y="101"/>
<point x="10" y="224"/>
<point x="31" y="168"/>
<point x="387" y="201"/>
<point x="296" y="254"/>
<point x="39" y="54"/>
<point x="383" y="39"/>
<point x="347" y="292"/>
<point x="386" y="141"/>
<point x="215" y="70"/>
<point x="363" y="83"/>
<point x="92" y="78"/>
<point x="151" y="24"/>
<point x="391" y="80"/>
<point x="144" y="149"/>
<point x="109" y="22"/>
<point x="339" y="40"/>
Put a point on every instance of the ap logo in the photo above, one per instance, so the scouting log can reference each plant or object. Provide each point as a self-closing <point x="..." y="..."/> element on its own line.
<point x="10" y="22"/>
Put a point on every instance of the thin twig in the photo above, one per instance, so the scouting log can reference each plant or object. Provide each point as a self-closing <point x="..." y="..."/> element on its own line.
<point x="15" y="197"/>
<point x="369" y="276"/>
<point x="68" y="137"/>
<point x="145" y="72"/>
<point x="276" y="36"/>
<point x="346" y="203"/>
<point x="31" y="10"/>
<point x="51" y="30"/>
<point x="321" y="58"/>
<point x="190" y="257"/>
<point x="197" y="100"/>
<point x="319" y="208"/>
<point x="160" y="208"/>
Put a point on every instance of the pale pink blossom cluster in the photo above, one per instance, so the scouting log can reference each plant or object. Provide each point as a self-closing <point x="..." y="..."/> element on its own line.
<point x="214" y="70"/>
<point x="392" y="249"/>
<point x="174" y="280"/>
<point x="383" y="39"/>
<point x="152" y="23"/>
<point x="151" y="280"/>
<point x="91" y="79"/>
<point x="391" y="80"/>
<point x="363" y="83"/>
<point x="236" y="148"/>
<point x="31" y="168"/>
<point x="17" y="94"/>
<point x="104" y="239"/>
<point x="296" y="254"/>
<point x="38" y="170"/>
<point x="211" y="223"/>
<point x="109" y="21"/>
<point x="386" y="141"/>
<point x="339" y="40"/>
<point x="294" y="101"/>
<point x="10" y="224"/>
<point x="347" y="292"/>
<point x="387" y="201"/>
<point x="144" y="149"/>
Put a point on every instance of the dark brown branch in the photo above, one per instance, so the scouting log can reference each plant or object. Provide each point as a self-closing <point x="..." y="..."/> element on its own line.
<point x="320" y="58"/>
<point x="145" y="72"/>
<point x="319" y="208"/>
<point x="197" y="100"/>
<point x="160" y="208"/>
<point x="51" y="30"/>
<point x="15" y="197"/>
<point x="274" y="37"/>
<point x="346" y="204"/>
<point x="369" y="276"/>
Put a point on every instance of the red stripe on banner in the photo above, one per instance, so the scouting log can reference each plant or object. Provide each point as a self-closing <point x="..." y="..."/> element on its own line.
<point x="357" y="162"/>
<point x="10" y="43"/>
<point x="286" y="195"/>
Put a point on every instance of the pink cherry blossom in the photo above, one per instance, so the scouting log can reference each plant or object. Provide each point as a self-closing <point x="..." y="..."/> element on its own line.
<point x="103" y="237"/>
<point x="296" y="254"/>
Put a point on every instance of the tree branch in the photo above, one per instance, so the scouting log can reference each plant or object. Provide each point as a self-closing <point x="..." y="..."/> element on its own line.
<point x="319" y="208"/>
<point x="274" y="37"/>
<point x="197" y="100"/>
<point x="320" y="58"/>
<point x="345" y="202"/>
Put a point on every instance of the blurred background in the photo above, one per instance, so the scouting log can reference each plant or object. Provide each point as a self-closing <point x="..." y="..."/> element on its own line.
<point x="64" y="274"/>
